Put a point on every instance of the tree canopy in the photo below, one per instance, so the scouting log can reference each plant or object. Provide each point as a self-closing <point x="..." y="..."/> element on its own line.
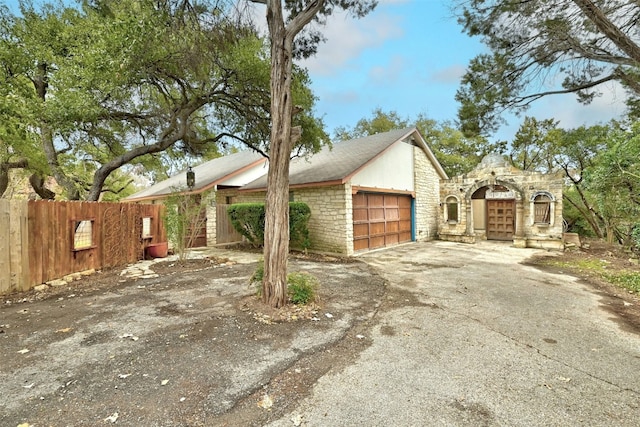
<point x="88" y="90"/>
<point x="545" y="47"/>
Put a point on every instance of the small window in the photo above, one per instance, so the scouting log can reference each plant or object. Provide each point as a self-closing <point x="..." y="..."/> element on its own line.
<point x="452" y="209"/>
<point x="542" y="209"/>
<point x="82" y="234"/>
<point x="146" y="228"/>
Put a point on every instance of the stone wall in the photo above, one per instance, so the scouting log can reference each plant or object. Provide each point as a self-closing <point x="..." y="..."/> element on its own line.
<point x="493" y="171"/>
<point x="427" y="196"/>
<point x="331" y="222"/>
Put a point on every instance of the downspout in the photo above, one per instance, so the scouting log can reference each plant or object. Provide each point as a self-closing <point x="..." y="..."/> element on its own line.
<point x="413" y="219"/>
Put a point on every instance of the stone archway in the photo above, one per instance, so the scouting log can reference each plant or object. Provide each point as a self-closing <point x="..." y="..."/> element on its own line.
<point x="495" y="210"/>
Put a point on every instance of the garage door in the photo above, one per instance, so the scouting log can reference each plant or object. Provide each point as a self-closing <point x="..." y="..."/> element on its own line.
<point x="380" y="220"/>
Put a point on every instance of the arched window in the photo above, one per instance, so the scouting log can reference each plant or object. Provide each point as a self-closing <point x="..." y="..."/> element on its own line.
<point x="452" y="209"/>
<point x="542" y="207"/>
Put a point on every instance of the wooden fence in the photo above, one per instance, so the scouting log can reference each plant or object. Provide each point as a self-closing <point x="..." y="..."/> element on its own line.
<point x="47" y="240"/>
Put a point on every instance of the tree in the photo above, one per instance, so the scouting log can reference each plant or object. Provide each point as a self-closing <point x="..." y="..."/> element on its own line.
<point x="532" y="147"/>
<point x="282" y="34"/>
<point x="115" y="84"/>
<point x="533" y="43"/>
<point x="614" y="184"/>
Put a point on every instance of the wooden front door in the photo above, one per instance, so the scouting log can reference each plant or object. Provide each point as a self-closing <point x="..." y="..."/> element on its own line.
<point x="380" y="220"/>
<point x="500" y="219"/>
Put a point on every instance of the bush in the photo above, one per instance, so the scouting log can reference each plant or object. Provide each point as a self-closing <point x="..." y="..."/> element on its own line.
<point x="248" y="220"/>
<point x="301" y="287"/>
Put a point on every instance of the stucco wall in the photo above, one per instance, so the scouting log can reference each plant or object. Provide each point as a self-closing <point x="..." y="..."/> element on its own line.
<point x="393" y="170"/>
<point x="427" y="199"/>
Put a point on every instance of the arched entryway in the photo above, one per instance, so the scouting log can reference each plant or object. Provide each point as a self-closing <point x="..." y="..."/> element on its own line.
<point x="494" y="210"/>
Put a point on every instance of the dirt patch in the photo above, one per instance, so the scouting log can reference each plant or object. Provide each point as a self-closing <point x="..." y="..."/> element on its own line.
<point x="624" y="304"/>
<point x="193" y="346"/>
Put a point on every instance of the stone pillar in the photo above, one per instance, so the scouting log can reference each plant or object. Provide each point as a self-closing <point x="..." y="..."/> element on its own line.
<point x="470" y="236"/>
<point x="519" y="240"/>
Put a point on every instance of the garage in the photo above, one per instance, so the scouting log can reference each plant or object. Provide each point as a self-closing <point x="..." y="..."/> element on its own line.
<point x="380" y="220"/>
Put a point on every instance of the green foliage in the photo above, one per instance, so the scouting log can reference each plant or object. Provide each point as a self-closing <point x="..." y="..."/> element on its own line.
<point x="183" y="221"/>
<point x="627" y="279"/>
<point x="248" y="219"/>
<point x="541" y="48"/>
<point x="299" y="214"/>
<point x="301" y="287"/>
<point x="87" y="90"/>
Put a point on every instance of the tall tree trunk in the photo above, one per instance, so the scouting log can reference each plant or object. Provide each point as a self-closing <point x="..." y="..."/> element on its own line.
<point x="276" y="233"/>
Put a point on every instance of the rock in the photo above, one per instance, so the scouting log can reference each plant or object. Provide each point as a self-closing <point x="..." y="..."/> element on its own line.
<point x="41" y="288"/>
<point x="634" y="261"/>
<point x="57" y="282"/>
<point x="88" y="272"/>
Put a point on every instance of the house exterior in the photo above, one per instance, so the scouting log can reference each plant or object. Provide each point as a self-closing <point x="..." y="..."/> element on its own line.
<point x="365" y="193"/>
<point x="497" y="201"/>
<point x="220" y="175"/>
<point x="378" y="191"/>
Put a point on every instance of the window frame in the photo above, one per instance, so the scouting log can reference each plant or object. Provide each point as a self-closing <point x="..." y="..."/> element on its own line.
<point x="537" y="201"/>
<point x="149" y="234"/>
<point x="448" y="204"/>
<point x="81" y="236"/>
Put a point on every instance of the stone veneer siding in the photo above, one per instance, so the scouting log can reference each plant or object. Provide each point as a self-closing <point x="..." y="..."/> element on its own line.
<point x="331" y="221"/>
<point x="427" y="201"/>
<point x="524" y="183"/>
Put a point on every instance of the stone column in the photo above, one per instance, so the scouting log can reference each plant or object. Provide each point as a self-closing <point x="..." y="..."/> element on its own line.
<point x="519" y="240"/>
<point x="469" y="232"/>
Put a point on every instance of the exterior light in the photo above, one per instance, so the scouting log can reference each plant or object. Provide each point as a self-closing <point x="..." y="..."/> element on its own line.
<point x="191" y="178"/>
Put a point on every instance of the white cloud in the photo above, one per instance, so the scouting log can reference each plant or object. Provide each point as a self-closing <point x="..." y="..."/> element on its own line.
<point x="388" y="73"/>
<point x="347" y="38"/>
<point x="449" y="75"/>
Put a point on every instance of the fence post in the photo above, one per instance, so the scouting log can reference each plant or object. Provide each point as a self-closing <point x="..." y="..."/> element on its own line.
<point x="14" y="260"/>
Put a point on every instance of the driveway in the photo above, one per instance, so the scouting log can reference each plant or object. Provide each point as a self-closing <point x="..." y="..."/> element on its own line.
<point x="424" y="334"/>
<point x="478" y="338"/>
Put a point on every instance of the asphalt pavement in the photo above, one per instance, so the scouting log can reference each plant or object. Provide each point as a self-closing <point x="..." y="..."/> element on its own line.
<point x="485" y="341"/>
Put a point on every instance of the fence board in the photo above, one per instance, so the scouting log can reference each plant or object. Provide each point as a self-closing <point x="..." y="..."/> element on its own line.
<point x="5" y="253"/>
<point x="36" y="238"/>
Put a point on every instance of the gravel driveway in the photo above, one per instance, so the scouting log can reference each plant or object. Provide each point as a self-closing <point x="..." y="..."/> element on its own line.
<point x="484" y="341"/>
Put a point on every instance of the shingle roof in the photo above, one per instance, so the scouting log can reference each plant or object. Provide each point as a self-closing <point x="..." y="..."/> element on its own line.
<point x="208" y="174"/>
<point x="338" y="162"/>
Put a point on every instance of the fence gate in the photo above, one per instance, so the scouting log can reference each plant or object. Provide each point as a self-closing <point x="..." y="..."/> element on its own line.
<point x="225" y="233"/>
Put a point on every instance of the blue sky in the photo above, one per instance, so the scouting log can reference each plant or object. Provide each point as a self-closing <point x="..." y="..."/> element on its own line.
<point x="408" y="56"/>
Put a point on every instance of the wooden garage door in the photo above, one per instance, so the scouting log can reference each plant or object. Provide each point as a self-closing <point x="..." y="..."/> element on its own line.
<point x="500" y="219"/>
<point x="380" y="220"/>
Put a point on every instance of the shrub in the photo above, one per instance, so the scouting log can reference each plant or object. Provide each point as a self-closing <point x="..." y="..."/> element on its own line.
<point x="248" y="220"/>
<point x="301" y="287"/>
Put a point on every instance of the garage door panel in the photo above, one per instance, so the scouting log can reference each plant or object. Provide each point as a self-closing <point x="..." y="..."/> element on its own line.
<point x="380" y="220"/>
<point x="376" y="228"/>
<point x="405" y="226"/>
<point x="391" y="239"/>
<point x="360" y="244"/>
<point x="393" y="227"/>
<point x="360" y="214"/>
<point x="376" y="214"/>
<point x="376" y="242"/>
<point x="360" y="230"/>
<point x="391" y="214"/>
